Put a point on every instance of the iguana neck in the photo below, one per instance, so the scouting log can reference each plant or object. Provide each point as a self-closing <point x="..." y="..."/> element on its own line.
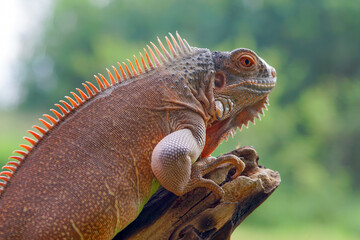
<point x="198" y="73"/>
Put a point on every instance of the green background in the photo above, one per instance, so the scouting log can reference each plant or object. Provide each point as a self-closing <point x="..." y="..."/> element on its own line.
<point x="311" y="132"/>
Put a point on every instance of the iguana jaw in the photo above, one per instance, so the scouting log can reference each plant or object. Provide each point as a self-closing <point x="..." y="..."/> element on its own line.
<point x="219" y="130"/>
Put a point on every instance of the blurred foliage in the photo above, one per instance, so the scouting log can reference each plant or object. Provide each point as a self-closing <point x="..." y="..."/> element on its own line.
<point x="310" y="135"/>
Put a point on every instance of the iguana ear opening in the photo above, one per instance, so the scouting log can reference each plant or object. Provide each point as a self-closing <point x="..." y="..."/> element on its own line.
<point x="220" y="80"/>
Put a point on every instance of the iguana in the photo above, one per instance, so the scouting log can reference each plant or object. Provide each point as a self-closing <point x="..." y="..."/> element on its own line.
<point x="90" y="170"/>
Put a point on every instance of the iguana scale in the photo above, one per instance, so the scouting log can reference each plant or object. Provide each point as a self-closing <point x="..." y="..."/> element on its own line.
<point x="90" y="170"/>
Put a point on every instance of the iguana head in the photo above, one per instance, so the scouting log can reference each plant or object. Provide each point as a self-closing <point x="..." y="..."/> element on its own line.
<point x="242" y="83"/>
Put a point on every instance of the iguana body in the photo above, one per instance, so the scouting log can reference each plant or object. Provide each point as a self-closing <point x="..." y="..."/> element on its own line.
<point x="89" y="173"/>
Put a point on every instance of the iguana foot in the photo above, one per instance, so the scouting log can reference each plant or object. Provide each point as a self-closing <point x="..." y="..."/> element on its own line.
<point x="206" y="165"/>
<point x="249" y="155"/>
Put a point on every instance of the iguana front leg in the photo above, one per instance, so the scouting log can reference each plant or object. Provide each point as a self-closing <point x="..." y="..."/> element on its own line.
<point x="172" y="160"/>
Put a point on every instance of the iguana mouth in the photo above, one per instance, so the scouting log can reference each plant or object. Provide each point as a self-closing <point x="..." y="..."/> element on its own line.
<point x="262" y="85"/>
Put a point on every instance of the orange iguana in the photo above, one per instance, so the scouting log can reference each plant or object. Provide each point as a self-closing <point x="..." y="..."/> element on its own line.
<point x="90" y="170"/>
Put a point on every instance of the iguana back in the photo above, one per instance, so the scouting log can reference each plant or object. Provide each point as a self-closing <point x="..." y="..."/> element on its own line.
<point x="87" y="160"/>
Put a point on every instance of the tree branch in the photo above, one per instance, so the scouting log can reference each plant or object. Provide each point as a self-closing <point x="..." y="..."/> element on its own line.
<point x="198" y="214"/>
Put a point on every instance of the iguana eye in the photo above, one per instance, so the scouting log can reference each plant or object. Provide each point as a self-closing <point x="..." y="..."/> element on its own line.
<point x="246" y="61"/>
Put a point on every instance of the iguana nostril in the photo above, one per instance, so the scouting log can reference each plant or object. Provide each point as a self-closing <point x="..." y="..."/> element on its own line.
<point x="273" y="72"/>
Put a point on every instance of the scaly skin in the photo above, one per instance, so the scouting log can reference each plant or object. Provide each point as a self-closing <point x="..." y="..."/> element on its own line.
<point x="90" y="175"/>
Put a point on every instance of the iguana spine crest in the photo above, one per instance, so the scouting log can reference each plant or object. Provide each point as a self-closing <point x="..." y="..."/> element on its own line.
<point x="177" y="49"/>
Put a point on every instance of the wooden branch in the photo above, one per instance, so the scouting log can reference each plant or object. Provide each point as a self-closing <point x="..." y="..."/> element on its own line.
<point x="198" y="214"/>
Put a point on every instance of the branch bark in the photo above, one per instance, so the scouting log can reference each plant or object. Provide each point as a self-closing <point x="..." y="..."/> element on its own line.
<point x="198" y="214"/>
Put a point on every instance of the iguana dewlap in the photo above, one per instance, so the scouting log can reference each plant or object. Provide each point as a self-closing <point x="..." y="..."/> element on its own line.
<point x="89" y="172"/>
